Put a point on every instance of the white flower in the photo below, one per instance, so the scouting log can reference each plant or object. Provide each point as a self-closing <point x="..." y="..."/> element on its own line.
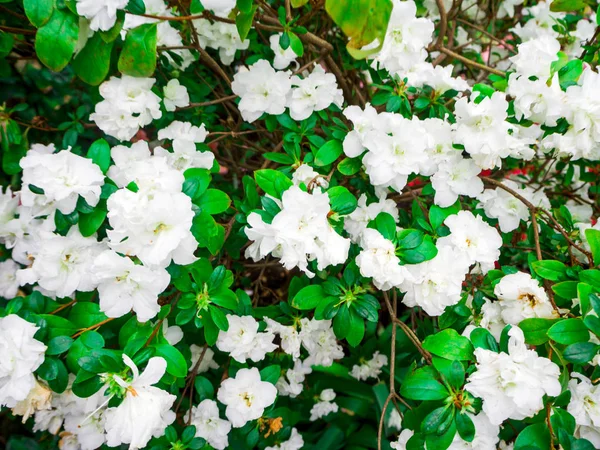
<point x="324" y="406"/>
<point x="509" y="210"/>
<point x="136" y="164"/>
<point x="319" y="340"/>
<point x="209" y="426"/>
<point x="145" y="410"/>
<point x="124" y="285"/>
<point x="220" y="36"/>
<point x="186" y="156"/>
<point x="540" y="24"/>
<point x="378" y="260"/>
<point x="8" y="209"/>
<point x="400" y="444"/>
<point x="262" y="90"/>
<point x="128" y="104"/>
<point x="486" y="435"/>
<point x="439" y="78"/>
<point x="299" y="233"/>
<point x="535" y="56"/>
<point x="492" y="319"/>
<point x="176" y="95"/>
<point x="39" y="398"/>
<point x="156" y="229"/>
<point x="513" y="385"/>
<point x="437" y="283"/>
<point x="307" y="175"/>
<point x="579" y="212"/>
<point x="472" y="237"/>
<point x="102" y="13"/>
<point x="396" y="149"/>
<point x="219" y="6"/>
<point x="283" y="58"/>
<point x="292" y="383"/>
<point x="356" y="222"/>
<point x="456" y="176"/>
<point x="184" y="131"/>
<point x="370" y="368"/>
<point x="207" y="362"/>
<point x="521" y="297"/>
<point x="63" y="264"/>
<point x="62" y="177"/>
<point x="482" y="129"/>
<point x="243" y="341"/>
<point x="290" y="339"/>
<point x="245" y="396"/>
<point x="405" y="40"/>
<point x="507" y="8"/>
<point x="20" y="355"/>
<point x="295" y="442"/>
<point x="314" y="93"/>
<point x="9" y="285"/>
<point x="536" y="100"/>
<point x="584" y="406"/>
<point x="168" y="36"/>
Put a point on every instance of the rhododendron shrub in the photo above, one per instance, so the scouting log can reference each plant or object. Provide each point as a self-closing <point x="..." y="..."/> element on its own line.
<point x="287" y="224"/>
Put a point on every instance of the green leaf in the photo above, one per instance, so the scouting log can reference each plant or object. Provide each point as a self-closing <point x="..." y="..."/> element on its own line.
<point x="211" y="332"/>
<point x="465" y="427"/>
<point x="208" y="233"/>
<point x="424" y="252"/>
<point x="386" y="225"/>
<point x="410" y="238"/>
<point x="272" y="182"/>
<point x="363" y="21"/>
<point x="566" y="5"/>
<point x="243" y="22"/>
<point x="435" y="419"/>
<point x="569" y="331"/>
<point x="593" y="238"/>
<point x="437" y="215"/>
<point x="219" y="318"/>
<point x="550" y="270"/>
<point x="328" y="153"/>
<point x="565" y="289"/>
<point x="535" y="436"/>
<point x="570" y="73"/>
<point x="536" y="330"/>
<point x="349" y="166"/>
<point x="99" y="153"/>
<point x="244" y="5"/>
<point x="138" y="57"/>
<point x="308" y="297"/>
<point x="214" y="201"/>
<point x="296" y="44"/>
<point x="342" y="201"/>
<point x="422" y="385"/>
<point x="271" y="374"/>
<point x="482" y="338"/>
<point x="136" y="7"/>
<point x="90" y="223"/>
<point x="38" y="11"/>
<point x="580" y="353"/>
<point x="176" y="364"/>
<point x="341" y="322"/>
<point x="92" y="63"/>
<point x="196" y="182"/>
<point x="450" y="345"/>
<point x="55" y="42"/>
<point x="59" y="344"/>
<point x="6" y="44"/>
<point x="356" y="331"/>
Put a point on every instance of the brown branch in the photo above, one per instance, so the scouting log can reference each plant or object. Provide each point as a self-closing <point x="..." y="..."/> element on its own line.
<point x="93" y="327"/>
<point x="471" y="63"/>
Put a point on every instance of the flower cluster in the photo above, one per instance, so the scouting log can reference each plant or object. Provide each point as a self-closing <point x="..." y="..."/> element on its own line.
<point x="283" y="225"/>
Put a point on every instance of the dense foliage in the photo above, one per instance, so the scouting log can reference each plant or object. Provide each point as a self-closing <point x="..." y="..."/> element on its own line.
<point x="285" y="224"/>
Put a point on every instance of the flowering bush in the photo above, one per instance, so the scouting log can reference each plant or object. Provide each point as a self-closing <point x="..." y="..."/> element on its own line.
<point x="285" y="224"/>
